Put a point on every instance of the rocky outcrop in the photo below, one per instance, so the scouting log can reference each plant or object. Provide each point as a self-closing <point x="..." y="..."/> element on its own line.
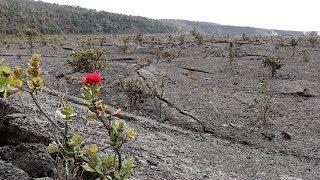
<point x="10" y="172"/>
<point x="22" y="151"/>
<point x="31" y="158"/>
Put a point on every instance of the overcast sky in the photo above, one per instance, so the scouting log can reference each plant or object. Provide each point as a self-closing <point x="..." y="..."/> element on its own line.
<point x="302" y="15"/>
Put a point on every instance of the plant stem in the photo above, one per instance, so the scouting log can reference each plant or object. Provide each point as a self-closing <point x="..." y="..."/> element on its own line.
<point x="43" y="112"/>
<point x="107" y="126"/>
<point x="66" y="129"/>
<point x="119" y="158"/>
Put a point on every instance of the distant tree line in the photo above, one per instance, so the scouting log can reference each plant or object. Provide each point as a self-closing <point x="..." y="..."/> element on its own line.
<point x="16" y="15"/>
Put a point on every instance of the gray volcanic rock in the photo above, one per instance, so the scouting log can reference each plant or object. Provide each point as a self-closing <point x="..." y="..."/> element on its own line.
<point x="33" y="159"/>
<point x="19" y="128"/>
<point x="11" y="172"/>
<point x="298" y="87"/>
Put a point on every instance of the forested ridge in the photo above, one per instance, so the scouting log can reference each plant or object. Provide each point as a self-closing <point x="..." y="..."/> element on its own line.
<point x="16" y="15"/>
<point x="47" y="18"/>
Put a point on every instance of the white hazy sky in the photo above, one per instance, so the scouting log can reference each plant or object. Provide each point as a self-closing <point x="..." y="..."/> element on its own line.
<point x="302" y="15"/>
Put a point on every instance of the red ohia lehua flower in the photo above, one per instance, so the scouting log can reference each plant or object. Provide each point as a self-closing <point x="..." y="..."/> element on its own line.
<point x="93" y="78"/>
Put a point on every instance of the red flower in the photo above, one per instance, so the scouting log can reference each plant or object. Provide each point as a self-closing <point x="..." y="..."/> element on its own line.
<point x="92" y="78"/>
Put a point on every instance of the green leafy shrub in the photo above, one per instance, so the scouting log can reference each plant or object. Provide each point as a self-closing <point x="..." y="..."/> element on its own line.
<point x="274" y="63"/>
<point x="87" y="60"/>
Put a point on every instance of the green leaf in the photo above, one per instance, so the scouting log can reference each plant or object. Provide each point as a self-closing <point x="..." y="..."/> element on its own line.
<point x="66" y="111"/>
<point x="53" y="148"/>
<point x="95" y="160"/>
<point x="76" y="139"/>
<point x="60" y="114"/>
<point x="98" y="169"/>
<point x="2" y="86"/>
<point x="108" y="163"/>
<point x="117" y="175"/>
<point x="91" y="149"/>
<point x="5" y="93"/>
<point x="126" y="168"/>
<point x="91" y="116"/>
<point x="87" y="168"/>
<point x="6" y="71"/>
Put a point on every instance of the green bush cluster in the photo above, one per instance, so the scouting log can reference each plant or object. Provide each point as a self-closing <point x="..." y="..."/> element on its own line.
<point x="87" y="60"/>
<point x="274" y="63"/>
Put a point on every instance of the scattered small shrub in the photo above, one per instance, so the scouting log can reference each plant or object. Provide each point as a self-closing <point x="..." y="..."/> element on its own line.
<point x="87" y="60"/>
<point x="168" y="54"/>
<point x="125" y="48"/>
<point x="134" y="90"/>
<point x="263" y="103"/>
<point x="305" y="55"/>
<point x="232" y="51"/>
<point x="144" y="61"/>
<point x="43" y="40"/>
<point x="197" y="35"/>
<point x="126" y="39"/>
<point x="181" y="39"/>
<point x="274" y="63"/>
<point x="31" y="34"/>
<point x="103" y="40"/>
<point x="216" y="90"/>
<point x="139" y="38"/>
<point x="19" y="55"/>
<point x="190" y="75"/>
<point x="157" y="87"/>
<point x="281" y="42"/>
<point x="313" y="39"/>
<point x="170" y="38"/>
<point x="293" y="42"/>
<point x="153" y="39"/>
<point x="257" y="39"/>
<point x="245" y="37"/>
